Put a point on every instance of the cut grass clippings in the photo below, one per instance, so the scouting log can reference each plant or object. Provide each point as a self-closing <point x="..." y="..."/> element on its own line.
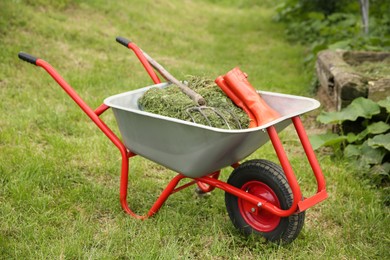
<point x="219" y="111"/>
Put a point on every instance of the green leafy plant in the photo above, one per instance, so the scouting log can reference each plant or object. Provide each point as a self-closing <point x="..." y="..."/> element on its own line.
<point x="330" y="24"/>
<point x="368" y="149"/>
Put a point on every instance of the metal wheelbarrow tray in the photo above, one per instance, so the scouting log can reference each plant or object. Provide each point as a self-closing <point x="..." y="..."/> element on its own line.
<point x="196" y="150"/>
<point x="261" y="197"/>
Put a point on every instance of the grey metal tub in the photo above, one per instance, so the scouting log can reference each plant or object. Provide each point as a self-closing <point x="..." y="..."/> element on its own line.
<point x="192" y="149"/>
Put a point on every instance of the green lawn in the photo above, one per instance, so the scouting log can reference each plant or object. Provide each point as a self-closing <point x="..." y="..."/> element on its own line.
<point x="59" y="175"/>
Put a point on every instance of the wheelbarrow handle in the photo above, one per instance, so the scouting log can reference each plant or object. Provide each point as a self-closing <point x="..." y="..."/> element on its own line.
<point x="138" y="52"/>
<point x="149" y="63"/>
<point x="28" y="58"/>
<point x="125" y="42"/>
<point x="92" y="114"/>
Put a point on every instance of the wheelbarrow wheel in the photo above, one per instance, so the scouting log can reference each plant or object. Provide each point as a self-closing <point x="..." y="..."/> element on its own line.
<point x="264" y="179"/>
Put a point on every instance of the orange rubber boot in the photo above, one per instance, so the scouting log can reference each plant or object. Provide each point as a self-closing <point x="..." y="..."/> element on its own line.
<point x="225" y="88"/>
<point x="240" y="86"/>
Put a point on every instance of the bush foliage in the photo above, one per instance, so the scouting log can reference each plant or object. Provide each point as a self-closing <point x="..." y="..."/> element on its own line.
<point x="368" y="149"/>
<point x="336" y="24"/>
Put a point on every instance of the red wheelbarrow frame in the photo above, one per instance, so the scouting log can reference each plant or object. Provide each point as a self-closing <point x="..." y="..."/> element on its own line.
<point x="206" y="183"/>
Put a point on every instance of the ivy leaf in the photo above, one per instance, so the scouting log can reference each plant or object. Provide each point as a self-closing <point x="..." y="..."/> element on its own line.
<point x="330" y="117"/>
<point x="378" y="128"/>
<point x="328" y="139"/>
<point x="386" y="168"/>
<point x="380" y="141"/>
<point x="385" y="103"/>
<point x="371" y="155"/>
<point x="380" y="173"/>
<point x="351" y="137"/>
<point x="360" y="107"/>
<point x="352" y="150"/>
<point x="375" y="128"/>
<point x="345" y="45"/>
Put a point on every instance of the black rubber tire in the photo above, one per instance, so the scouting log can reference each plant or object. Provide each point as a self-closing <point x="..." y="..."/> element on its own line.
<point x="269" y="174"/>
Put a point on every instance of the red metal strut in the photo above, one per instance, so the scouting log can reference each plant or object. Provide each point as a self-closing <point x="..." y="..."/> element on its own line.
<point x="125" y="153"/>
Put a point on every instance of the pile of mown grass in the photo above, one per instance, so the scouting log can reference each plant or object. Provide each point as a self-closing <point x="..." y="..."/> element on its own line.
<point x="172" y="102"/>
<point x="374" y="70"/>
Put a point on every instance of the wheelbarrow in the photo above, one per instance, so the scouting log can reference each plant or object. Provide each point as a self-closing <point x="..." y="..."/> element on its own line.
<point x="261" y="197"/>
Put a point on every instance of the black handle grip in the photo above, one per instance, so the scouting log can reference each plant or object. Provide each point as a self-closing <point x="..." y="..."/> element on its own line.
<point x="27" y="57"/>
<point x="125" y="42"/>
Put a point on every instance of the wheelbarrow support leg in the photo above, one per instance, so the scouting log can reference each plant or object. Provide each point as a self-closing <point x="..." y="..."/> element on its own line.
<point x="321" y="191"/>
<point x="321" y="184"/>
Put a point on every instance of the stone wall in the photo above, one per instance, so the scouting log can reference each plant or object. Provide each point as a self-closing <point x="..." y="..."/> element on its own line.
<point x="340" y="82"/>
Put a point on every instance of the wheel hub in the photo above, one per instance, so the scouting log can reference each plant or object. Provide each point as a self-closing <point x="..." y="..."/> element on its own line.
<point x="260" y="220"/>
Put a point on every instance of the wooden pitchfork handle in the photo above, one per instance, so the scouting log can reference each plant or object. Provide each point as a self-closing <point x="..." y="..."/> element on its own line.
<point x="168" y="76"/>
<point x="197" y="98"/>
